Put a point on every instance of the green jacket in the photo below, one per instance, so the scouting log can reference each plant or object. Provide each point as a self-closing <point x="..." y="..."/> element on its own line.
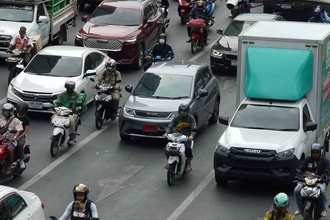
<point x="64" y="99"/>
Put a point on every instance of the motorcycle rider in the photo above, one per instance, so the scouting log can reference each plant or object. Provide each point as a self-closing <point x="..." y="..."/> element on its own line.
<point x="313" y="164"/>
<point x="21" y="114"/>
<point x="165" y="4"/>
<point x="113" y="77"/>
<point x="317" y="17"/>
<point x="73" y="100"/>
<point x="185" y="124"/>
<point x="200" y="11"/>
<point x="22" y="42"/>
<point x="80" y="193"/>
<point x="10" y="128"/>
<point x="162" y="48"/>
<point x="280" y="205"/>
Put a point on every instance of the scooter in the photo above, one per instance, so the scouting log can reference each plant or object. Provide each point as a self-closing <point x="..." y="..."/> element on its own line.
<point x="16" y="58"/>
<point x="103" y="102"/>
<point x="61" y="122"/>
<point x="175" y="150"/>
<point x="150" y="60"/>
<point x="164" y="10"/>
<point x="16" y="170"/>
<point x="310" y="194"/>
<point x="210" y="4"/>
<point x="184" y="8"/>
<point x="197" y="36"/>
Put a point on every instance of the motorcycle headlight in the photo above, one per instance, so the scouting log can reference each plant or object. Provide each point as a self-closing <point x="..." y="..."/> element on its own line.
<point x="16" y="52"/>
<point x="97" y="97"/>
<point x="130" y="39"/>
<point x="310" y="182"/>
<point x="217" y="54"/>
<point x="285" y="154"/>
<point x="107" y="98"/>
<point x="129" y="111"/>
<point x="220" y="149"/>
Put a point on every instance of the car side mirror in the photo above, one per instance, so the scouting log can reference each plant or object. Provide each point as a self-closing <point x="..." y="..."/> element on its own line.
<point x="52" y="217"/>
<point x="92" y="79"/>
<point x="90" y="73"/>
<point x="20" y="67"/>
<point x="84" y="18"/>
<point x="42" y="19"/>
<point x="129" y="88"/>
<point x="310" y="126"/>
<point x="224" y="119"/>
<point x="202" y="93"/>
<point x="219" y="31"/>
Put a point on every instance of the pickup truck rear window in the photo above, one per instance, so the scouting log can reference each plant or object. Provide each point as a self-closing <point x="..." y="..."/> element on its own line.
<point x="16" y="12"/>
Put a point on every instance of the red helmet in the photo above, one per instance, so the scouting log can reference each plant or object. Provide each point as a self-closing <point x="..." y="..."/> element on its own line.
<point x="110" y="64"/>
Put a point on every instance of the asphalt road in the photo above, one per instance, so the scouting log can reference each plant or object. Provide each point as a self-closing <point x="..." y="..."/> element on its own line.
<point x="128" y="180"/>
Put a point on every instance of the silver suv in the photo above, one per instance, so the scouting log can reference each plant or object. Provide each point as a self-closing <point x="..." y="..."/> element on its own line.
<point x="155" y="100"/>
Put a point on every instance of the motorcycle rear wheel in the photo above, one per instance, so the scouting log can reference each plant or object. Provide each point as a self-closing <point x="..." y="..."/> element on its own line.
<point x="55" y="145"/>
<point x="98" y="121"/>
<point x="194" y="43"/>
<point x="308" y="214"/>
<point x="170" y="173"/>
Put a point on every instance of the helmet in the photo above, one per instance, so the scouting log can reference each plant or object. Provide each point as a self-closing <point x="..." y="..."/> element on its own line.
<point x="316" y="147"/>
<point x="70" y="85"/>
<point x="80" y="188"/>
<point x="184" y="110"/>
<point x="200" y="4"/>
<point x="110" y="64"/>
<point x="8" y="107"/>
<point x="317" y="13"/>
<point x="281" y="203"/>
<point x="22" y="108"/>
<point x="162" y="38"/>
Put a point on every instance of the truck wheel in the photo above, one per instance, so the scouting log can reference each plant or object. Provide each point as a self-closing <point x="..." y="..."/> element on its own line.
<point x="59" y="39"/>
<point x="220" y="181"/>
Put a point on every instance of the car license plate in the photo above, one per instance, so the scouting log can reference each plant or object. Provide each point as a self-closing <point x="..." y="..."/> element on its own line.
<point x="286" y="6"/>
<point x="234" y="62"/>
<point x="37" y="105"/>
<point x="150" y="128"/>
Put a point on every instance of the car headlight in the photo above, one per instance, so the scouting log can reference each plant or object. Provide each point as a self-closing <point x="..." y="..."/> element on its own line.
<point x="80" y="36"/>
<point x="14" y="90"/>
<point x="217" y="54"/>
<point x="285" y="154"/>
<point x="220" y="149"/>
<point x="130" y="39"/>
<point x="173" y="115"/>
<point x="129" y="111"/>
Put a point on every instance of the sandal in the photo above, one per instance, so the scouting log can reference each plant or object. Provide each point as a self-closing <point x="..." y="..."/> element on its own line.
<point x="188" y="169"/>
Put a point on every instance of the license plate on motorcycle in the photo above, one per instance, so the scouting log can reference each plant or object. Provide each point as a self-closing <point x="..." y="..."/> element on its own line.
<point x="286" y="6"/>
<point x="234" y="62"/>
<point x="150" y="128"/>
<point x="37" y="105"/>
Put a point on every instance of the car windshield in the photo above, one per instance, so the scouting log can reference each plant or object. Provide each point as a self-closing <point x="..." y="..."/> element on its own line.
<point x="16" y="13"/>
<point x="164" y="86"/>
<point x="116" y="16"/>
<point x="237" y="27"/>
<point x="267" y="117"/>
<point x="59" y="66"/>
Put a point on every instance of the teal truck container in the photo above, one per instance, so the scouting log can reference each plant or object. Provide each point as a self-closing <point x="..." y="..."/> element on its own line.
<point x="283" y="102"/>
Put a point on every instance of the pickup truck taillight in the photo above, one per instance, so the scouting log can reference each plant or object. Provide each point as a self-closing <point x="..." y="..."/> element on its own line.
<point x="42" y="205"/>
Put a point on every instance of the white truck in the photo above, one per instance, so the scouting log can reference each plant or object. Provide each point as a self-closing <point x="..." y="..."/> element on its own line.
<point x="283" y="102"/>
<point x="49" y="19"/>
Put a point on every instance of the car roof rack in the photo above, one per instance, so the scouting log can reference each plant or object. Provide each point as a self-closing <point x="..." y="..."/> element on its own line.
<point x="24" y="1"/>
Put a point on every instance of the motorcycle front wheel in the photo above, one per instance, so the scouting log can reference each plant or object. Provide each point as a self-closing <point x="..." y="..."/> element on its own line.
<point x="194" y="43"/>
<point x="171" y="173"/>
<point x="55" y="144"/>
<point x="98" y="120"/>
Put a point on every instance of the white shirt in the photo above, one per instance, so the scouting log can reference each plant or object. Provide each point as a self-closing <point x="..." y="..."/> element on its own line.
<point x="13" y="41"/>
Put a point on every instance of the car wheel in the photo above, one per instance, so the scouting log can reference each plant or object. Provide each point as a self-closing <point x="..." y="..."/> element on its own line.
<point x="220" y="181"/>
<point x="215" y="114"/>
<point x="140" y="57"/>
<point x="124" y="137"/>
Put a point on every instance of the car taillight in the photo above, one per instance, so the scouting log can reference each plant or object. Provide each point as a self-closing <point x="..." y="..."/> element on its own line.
<point x="42" y="205"/>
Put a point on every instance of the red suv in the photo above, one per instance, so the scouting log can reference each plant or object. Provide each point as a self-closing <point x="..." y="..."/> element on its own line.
<point x="122" y="29"/>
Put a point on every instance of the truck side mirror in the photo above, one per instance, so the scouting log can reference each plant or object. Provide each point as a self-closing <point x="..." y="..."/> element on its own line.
<point x="310" y="126"/>
<point x="224" y="119"/>
<point x="42" y="19"/>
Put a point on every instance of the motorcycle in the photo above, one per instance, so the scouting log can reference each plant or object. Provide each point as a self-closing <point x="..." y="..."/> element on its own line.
<point x="150" y="59"/>
<point x="175" y="150"/>
<point x="16" y="58"/>
<point x="164" y="10"/>
<point x="184" y="8"/>
<point x="210" y="4"/>
<point x="197" y="36"/>
<point x="103" y="101"/>
<point x="16" y="170"/>
<point x="310" y="194"/>
<point x="61" y="123"/>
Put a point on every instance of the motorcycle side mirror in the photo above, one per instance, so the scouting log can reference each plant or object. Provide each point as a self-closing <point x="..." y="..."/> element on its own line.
<point x="20" y="67"/>
<point x="90" y="73"/>
<point x="52" y="217"/>
<point x="129" y="88"/>
<point x="224" y="119"/>
<point x="219" y="31"/>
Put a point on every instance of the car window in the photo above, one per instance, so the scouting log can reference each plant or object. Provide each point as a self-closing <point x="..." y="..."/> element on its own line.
<point x="116" y="16"/>
<point x="51" y="65"/>
<point x="16" y="205"/>
<point x="206" y="75"/>
<point x="88" y="63"/>
<point x="148" y="12"/>
<point x="236" y="27"/>
<point x="96" y="59"/>
<point x="155" y="7"/>
<point x="306" y="116"/>
<point x="153" y="11"/>
<point x="198" y="82"/>
<point x="4" y="214"/>
<point x="16" y="12"/>
<point x="41" y="10"/>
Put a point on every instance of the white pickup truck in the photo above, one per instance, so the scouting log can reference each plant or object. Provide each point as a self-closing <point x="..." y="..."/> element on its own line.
<point x="48" y="18"/>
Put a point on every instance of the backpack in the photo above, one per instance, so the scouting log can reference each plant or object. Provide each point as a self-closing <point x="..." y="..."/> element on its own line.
<point x="88" y="211"/>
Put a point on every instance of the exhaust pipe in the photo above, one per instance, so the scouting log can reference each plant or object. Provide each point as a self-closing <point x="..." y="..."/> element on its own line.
<point x="231" y="4"/>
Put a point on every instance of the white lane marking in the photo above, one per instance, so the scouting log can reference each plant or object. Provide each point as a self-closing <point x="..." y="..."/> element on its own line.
<point x="201" y="53"/>
<point x="57" y="162"/>
<point x="3" y="101"/>
<point x="192" y="196"/>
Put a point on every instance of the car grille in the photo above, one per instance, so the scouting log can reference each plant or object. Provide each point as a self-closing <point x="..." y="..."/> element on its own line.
<point x="4" y="41"/>
<point x="146" y="114"/>
<point x="103" y="44"/>
<point x="33" y="96"/>
<point x="263" y="159"/>
<point x="231" y="57"/>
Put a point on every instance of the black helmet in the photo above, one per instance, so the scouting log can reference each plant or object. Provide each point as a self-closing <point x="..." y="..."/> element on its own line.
<point x="184" y="110"/>
<point x="80" y="188"/>
<point x="70" y="85"/>
<point x="316" y="147"/>
<point x="22" y="108"/>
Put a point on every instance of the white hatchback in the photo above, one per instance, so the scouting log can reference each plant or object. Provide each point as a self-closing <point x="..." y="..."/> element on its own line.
<point x="44" y="77"/>
<point x="20" y="205"/>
